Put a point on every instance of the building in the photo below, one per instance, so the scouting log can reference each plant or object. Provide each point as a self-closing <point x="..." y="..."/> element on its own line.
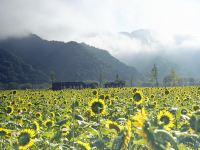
<point x="73" y="85"/>
<point x="115" y="84"/>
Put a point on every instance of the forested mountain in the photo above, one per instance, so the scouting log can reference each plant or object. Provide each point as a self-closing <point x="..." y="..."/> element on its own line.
<point x="70" y="61"/>
<point x="13" y="69"/>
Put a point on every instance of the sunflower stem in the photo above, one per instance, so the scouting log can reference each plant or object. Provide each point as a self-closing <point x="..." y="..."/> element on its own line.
<point x="1" y="143"/>
<point x="73" y="117"/>
<point x="176" y="121"/>
<point x="100" y="135"/>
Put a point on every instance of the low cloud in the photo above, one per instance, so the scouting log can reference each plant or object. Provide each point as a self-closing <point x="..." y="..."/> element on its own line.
<point x="169" y="25"/>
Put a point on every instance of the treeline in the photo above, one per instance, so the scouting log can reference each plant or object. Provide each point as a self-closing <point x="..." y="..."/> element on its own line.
<point x="23" y="86"/>
<point x="171" y="79"/>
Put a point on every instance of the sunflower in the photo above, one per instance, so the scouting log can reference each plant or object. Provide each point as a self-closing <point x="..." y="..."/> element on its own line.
<point x="195" y="107"/>
<point x="107" y="97"/>
<point x="24" y="109"/>
<point x="52" y="114"/>
<point x="95" y="92"/>
<point x="152" y="96"/>
<point x="195" y="121"/>
<point x="9" y="110"/>
<point x="19" y="110"/>
<point x="184" y="126"/>
<point x="116" y="97"/>
<point x="65" y="129"/>
<point x="5" y="132"/>
<point x="138" y="97"/>
<point x="134" y="90"/>
<point x="166" y="119"/>
<point x="102" y="96"/>
<point x="14" y="92"/>
<point x="13" y="103"/>
<point x="29" y="104"/>
<point x="38" y="115"/>
<point x="167" y="92"/>
<point x="138" y="122"/>
<point x="49" y="123"/>
<point x="36" y="126"/>
<point x="97" y="107"/>
<point x="20" y="121"/>
<point x="112" y="125"/>
<point x="25" y="139"/>
<point x="83" y="146"/>
<point x="184" y="111"/>
<point x="55" y="101"/>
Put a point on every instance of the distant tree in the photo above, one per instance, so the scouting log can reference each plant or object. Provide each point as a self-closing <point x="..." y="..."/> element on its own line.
<point x="171" y="79"/>
<point x="131" y="81"/>
<point x="181" y="81"/>
<point x="26" y="86"/>
<point x="117" y="77"/>
<point x="154" y="75"/>
<point x="52" y="76"/>
<point x="12" y="86"/>
<point x="101" y="81"/>
<point x="191" y="81"/>
<point x="174" y="77"/>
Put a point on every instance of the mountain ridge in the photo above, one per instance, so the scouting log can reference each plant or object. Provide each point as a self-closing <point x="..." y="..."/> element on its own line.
<point x="70" y="61"/>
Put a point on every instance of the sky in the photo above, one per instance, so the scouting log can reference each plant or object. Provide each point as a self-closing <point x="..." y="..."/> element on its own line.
<point x="166" y="24"/>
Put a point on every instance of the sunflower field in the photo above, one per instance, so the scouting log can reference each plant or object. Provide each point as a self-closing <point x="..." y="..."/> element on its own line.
<point x="101" y="119"/>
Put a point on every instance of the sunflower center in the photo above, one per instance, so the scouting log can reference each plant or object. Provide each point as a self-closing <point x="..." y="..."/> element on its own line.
<point x="113" y="126"/>
<point x="2" y="133"/>
<point x="165" y="119"/>
<point x="196" y="108"/>
<point x="94" y="92"/>
<point x="37" y="115"/>
<point x="166" y="92"/>
<point x="137" y="97"/>
<point x="9" y="110"/>
<point x="24" y="139"/>
<point x="97" y="107"/>
<point x="184" y="111"/>
<point x="49" y="124"/>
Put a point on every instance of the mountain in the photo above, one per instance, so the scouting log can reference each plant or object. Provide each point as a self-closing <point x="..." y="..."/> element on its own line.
<point x="145" y="62"/>
<point x="69" y="61"/>
<point x="180" y="56"/>
<point x="13" y="69"/>
<point x="184" y="61"/>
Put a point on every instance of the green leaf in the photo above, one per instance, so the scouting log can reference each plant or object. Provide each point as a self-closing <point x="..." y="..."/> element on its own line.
<point x="182" y="147"/>
<point x="139" y="142"/>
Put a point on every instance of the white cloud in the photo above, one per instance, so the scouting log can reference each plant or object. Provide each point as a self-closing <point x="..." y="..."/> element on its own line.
<point x="98" y="22"/>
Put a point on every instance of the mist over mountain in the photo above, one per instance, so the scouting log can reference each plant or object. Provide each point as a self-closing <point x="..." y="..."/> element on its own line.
<point x="145" y="36"/>
<point x="182" y="55"/>
<point x="73" y="61"/>
<point x="69" y="61"/>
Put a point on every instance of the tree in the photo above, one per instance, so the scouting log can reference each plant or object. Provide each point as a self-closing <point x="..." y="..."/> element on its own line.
<point x="131" y="81"/>
<point x="52" y="76"/>
<point x="101" y="82"/>
<point x="191" y="81"/>
<point x="171" y="79"/>
<point x="26" y="86"/>
<point x="154" y="75"/>
<point x="117" y="77"/>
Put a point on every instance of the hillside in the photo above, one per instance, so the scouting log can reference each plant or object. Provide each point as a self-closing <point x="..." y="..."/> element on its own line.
<point x="13" y="69"/>
<point x="70" y="61"/>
